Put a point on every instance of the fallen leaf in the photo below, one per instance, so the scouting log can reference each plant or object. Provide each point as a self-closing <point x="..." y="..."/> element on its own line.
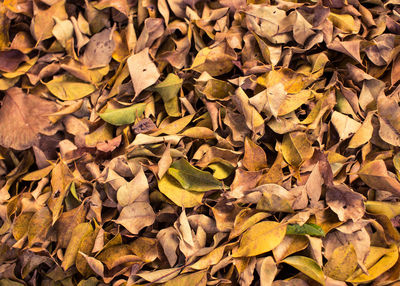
<point x="168" y="89"/>
<point x="346" y="203"/>
<point x="143" y="71"/>
<point x="23" y="117"/>
<point x="68" y="88"/>
<point x="123" y="116"/>
<point x="136" y="216"/>
<point x="378" y="261"/>
<point x="342" y="263"/>
<point x="191" y="178"/>
<point x="375" y="175"/>
<point x="99" y="50"/>
<point x="254" y="156"/>
<point x="296" y="148"/>
<point x="308" y="266"/>
<point x="250" y="246"/>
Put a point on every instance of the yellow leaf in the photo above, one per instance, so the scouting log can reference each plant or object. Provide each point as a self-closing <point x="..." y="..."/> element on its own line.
<point x="181" y="197"/>
<point x="389" y="209"/>
<point x="68" y="88"/>
<point x="175" y="126"/>
<point x="210" y="259"/>
<point x="38" y="174"/>
<point x="363" y="134"/>
<point x="39" y="224"/>
<point x="289" y="245"/>
<point x="308" y="266"/>
<point x="21" y="225"/>
<point x="378" y="261"/>
<point x="245" y="219"/>
<point x="215" y="60"/>
<point x="375" y="175"/>
<point x="79" y="232"/>
<point x="251" y="245"/>
<point x="197" y="278"/>
<point x="296" y="148"/>
<point x="199" y="133"/>
<point x="345" y="22"/>
<point x="342" y="263"/>
<point x="101" y="134"/>
<point x="292" y="81"/>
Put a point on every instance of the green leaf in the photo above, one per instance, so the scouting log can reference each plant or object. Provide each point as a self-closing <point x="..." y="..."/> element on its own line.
<point x="193" y="179"/>
<point x="307" y="228"/>
<point x="308" y="266"/>
<point x="123" y="116"/>
<point x="168" y="89"/>
<point x="252" y="245"/>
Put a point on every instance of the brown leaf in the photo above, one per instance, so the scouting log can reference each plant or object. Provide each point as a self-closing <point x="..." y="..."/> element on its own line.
<point x="22" y="118"/>
<point x="254" y="156"/>
<point x="99" y="50"/>
<point x="375" y="175"/>
<point x="143" y="71"/>
<point x="10" y="60"/>
<point x="136" y="216"/>
<point x="346" y="203"/>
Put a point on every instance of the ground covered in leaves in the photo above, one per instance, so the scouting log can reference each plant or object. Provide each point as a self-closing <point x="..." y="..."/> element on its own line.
<point x="193" y="142"/>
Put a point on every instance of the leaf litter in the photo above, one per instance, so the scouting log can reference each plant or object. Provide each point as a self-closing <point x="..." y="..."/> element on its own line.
<point x="178" y="142"/>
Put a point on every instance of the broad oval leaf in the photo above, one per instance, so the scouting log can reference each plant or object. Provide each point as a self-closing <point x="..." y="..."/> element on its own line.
<point x="252" y="245"/>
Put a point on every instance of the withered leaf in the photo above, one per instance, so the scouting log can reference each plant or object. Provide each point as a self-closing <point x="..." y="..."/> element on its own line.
<point x="181" y="142"/>
<point x="136" y="216"/>
<point x="22" y="118"/>
<point x="143" y="71"/>
<point x="346" y="203"/>
<point x="99" y="49"/>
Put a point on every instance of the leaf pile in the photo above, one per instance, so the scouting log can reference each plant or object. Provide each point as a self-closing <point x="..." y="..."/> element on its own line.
<point x="182" y="142"/>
